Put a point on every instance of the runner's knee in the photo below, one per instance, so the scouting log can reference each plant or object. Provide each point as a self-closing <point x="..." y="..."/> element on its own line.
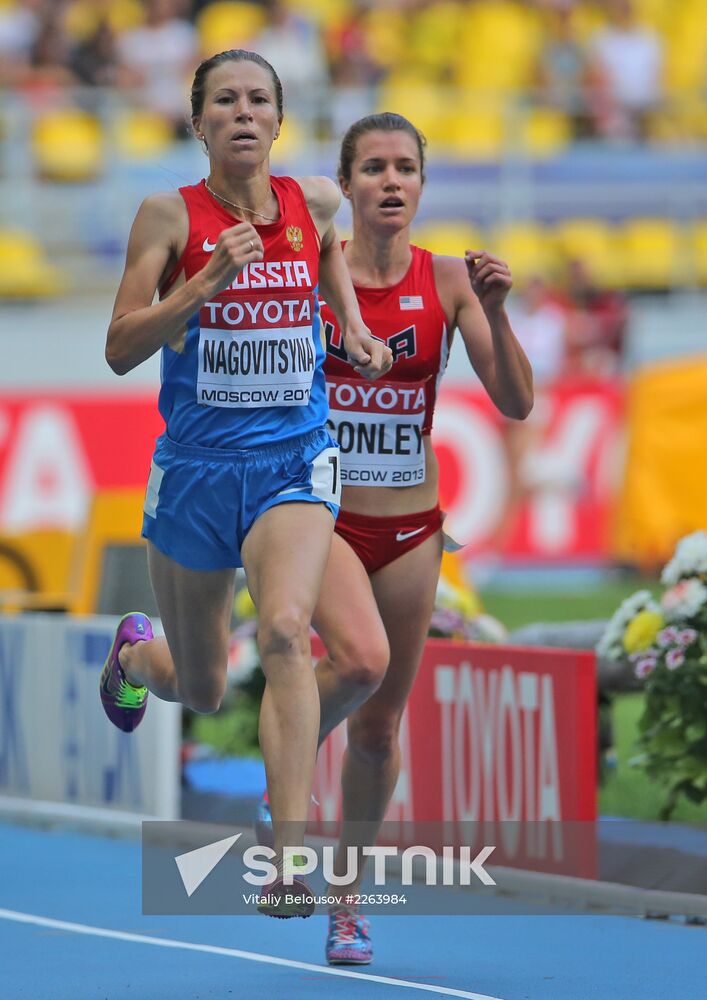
<point x="373" y="740"/>
<point x="284" y="632"/>
<point x="362" y="662"/>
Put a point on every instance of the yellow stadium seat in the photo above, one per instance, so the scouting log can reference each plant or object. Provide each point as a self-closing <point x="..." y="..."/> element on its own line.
<point x="291" y="141"/>
<point x="141" y="135"/>
<point x="544" y="132"/>
<point x="498" y="46"/>
<point x="326" y="13"/>
<point x="699" y="251"/>
<point x="433" y="33"/>
<point x="386" y="36"/>
<point x="475" y="134"/>
<point x="595" y="243"/>
<point x="24" y="271"/>
<point x="68" y="145"/>
<point x="654" y="13"/>
<point x="652" y="253"/>
<point x="527" y="249"/>
<point x="680" y="122"/>
<point x="686" y="47"/>
<point x="420" y="104"/>
<point x="226" y="25"/>
<point x="84" y="16"/>
<point x="450" y="239"/>
<point x="586" y="20"/>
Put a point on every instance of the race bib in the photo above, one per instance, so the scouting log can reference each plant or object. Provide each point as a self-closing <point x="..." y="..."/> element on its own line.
<point x="248" y="357"/>
<point x="378" y="426"/>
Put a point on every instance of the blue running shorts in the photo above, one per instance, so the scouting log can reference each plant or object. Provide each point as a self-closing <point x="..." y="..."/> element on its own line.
<point x="201" y="502"/>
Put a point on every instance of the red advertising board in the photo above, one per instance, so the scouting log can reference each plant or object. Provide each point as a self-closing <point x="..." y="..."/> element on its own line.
<point x="501" y="737"/>
<point x="55" y="451"/>
<point x="556" y="502"/>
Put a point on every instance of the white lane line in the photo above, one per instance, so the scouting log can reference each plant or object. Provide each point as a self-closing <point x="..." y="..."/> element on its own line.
<point x="249" y="956"/>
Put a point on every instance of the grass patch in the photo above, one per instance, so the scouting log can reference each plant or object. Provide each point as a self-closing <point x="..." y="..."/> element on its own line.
<point x="627" y="791"/>
<point x="524" y="607"/>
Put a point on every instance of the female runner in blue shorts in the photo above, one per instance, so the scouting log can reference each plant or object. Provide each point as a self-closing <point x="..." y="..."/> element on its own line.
<point x="246" y="472"/>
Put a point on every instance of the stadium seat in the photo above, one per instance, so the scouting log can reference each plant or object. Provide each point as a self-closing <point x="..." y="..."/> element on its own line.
<point x="680" y="122"/>
<point x="422" y="105"/>
<point x="652" y="253"/>
<point x="226" y="25"/>
<point x="291" y="141"/>
<point x="498" y="46"/>
<point x="699" y="251"/>
<point x="475" y="134"/>
<point x="433" y="33"/>
<point x="326" y="13"/>
<point x="450" y="239"/>
<point x="587" y="20"/>
<point x="386" y="36"/>
<point x="24" y="271"/>
<point x="544" y="132"/>
<point x="84" y="16"/>
<point x="527" y="248"/>
<point x="67" y="145"/>
<point x="686" y="47"/>
<point x="595" y="243"/>
<point x="140" y="135"/>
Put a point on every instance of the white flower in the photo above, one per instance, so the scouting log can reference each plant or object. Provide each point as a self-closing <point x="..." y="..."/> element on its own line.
<point x="610" y="646"/>
<point x="674" y="658"/>
<point x="689" y="558"/>
<point x="687" y="636"/>
<point x="667" y="637"/>
<point x="646" y="665"/>
<point x="684" y="599"/>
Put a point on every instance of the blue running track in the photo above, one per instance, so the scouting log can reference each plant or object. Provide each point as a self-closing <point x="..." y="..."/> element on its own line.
<point x="71" y="928"/>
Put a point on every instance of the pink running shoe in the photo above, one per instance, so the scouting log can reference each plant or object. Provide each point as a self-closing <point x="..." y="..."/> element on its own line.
<point x="348" y="941"/>
<point x="123" y="703"/>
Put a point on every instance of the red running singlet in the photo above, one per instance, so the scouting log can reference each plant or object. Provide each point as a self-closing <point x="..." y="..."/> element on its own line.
<point x="248" y="369"/>
<point x="380" y="425"/>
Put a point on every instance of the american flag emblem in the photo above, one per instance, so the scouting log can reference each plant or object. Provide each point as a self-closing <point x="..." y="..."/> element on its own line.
<point x="411" y="302"/>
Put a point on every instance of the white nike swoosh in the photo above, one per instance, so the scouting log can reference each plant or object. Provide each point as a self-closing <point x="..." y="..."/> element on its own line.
<point x="403" y="535"/>
<point x="208" y="247"/>
<point x="195" y="866"/>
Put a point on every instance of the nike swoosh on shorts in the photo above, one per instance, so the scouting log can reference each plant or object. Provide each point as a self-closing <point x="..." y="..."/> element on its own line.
<point x="402" y="536"/>
<point x="207" y="246"/>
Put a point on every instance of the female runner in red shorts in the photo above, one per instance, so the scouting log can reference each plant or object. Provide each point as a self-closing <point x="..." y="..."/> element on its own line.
<point x="379" y="586"/>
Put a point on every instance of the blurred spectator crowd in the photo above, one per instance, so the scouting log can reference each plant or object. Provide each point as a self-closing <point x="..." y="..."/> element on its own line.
<point x="87" y="82"/>
<point x="627" y="70"/>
